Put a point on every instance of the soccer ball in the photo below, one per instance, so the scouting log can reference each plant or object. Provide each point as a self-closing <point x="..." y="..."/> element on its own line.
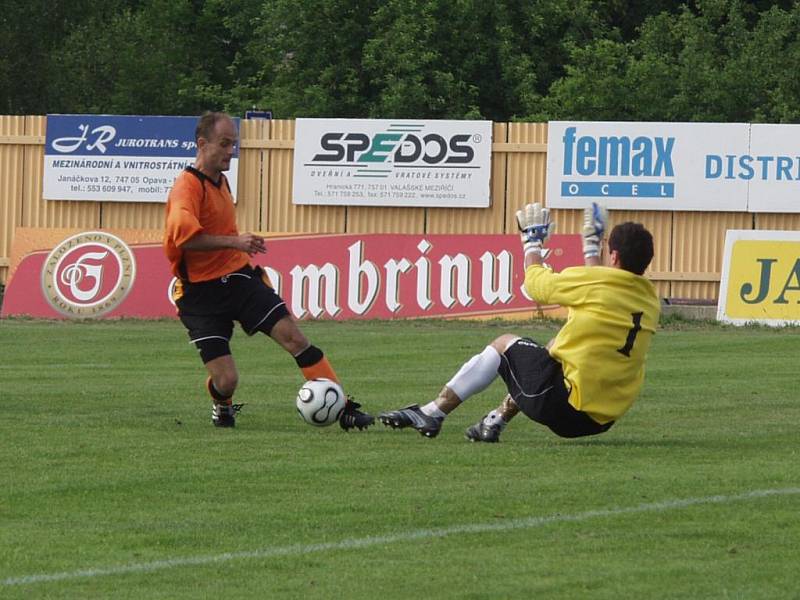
<point x="320" y="402"/>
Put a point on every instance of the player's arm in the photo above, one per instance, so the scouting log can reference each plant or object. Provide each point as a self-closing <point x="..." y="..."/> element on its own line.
<point x="535" y="227"/>
<point x="542" y="284"/>
<point x="246" y="242"/>
<point x="186" y="232"/>
<point x="595" y="220"/>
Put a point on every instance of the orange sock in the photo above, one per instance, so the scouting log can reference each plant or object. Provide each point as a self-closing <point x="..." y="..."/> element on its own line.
<point x="322" y="368"/>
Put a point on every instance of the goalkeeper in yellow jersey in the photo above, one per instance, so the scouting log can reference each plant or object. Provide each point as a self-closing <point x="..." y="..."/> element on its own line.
<point x="589" y="375"/>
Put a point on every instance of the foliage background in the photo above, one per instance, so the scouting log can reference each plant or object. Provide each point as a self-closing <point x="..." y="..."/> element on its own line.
<point x="708" y="60"/>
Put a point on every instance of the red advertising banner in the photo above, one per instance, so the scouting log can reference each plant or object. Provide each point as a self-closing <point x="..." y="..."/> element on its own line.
<point x="372" y="276"/>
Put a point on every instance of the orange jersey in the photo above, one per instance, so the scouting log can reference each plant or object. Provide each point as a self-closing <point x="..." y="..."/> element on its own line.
<point x="198" y="205"/>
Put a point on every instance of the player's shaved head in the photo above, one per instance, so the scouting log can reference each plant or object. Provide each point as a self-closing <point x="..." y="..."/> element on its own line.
<point x="206" y="124"/>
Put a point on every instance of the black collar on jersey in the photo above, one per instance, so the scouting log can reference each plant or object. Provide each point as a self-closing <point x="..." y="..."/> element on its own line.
<point x="203" y="177"/>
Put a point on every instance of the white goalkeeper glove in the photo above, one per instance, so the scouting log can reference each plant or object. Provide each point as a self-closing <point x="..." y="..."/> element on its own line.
<point x="595" y="220"/>
<point x="535" y="227"/>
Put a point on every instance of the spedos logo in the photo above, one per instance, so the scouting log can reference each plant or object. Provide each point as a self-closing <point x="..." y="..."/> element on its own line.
<point x="88" y="274"/>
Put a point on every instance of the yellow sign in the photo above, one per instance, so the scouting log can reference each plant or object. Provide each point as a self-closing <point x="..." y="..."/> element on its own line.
<point x="760" y="278"/>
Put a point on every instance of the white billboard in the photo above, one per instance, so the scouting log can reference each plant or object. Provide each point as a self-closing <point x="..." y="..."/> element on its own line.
<point x="646" y="166"/>
<point x="397" y="162"/>
<point x="738" y="167"/>
<point x="119" y="158"/>
<point x="772" y="168"/>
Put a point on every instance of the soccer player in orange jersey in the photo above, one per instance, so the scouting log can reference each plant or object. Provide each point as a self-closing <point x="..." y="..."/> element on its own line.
<point x="217" y="285"/>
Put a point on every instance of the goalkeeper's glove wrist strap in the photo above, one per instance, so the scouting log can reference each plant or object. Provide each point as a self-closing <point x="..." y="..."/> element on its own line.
<point x="532" y="247"/>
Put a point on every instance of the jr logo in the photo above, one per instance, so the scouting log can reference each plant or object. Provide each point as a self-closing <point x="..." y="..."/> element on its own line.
<point x="97" y="138"/>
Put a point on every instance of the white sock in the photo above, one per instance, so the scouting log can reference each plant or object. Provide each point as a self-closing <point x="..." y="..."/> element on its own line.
<point x="432" y="410"/>
<point x="495" y="418"/>
<point x="476" y="374"/>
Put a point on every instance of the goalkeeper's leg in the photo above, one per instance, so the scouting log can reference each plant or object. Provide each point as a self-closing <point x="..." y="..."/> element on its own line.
<point x="489" y="428"/>
<point x="473" y="377"/>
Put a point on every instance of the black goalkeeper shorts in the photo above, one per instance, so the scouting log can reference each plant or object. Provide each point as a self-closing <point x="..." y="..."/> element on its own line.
<point x="208" y="309"/>
<point x="535" y="382"/>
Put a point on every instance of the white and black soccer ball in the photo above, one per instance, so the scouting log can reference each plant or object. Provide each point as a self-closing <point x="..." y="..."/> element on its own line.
<point x="320" y="402"/>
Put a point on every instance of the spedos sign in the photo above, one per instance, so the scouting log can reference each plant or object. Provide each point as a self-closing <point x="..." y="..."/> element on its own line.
<point x="374" y="162"/>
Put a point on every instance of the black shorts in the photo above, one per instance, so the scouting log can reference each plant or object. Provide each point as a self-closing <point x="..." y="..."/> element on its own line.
<point x="535" y="382"/>
<point x="209" y="308"/>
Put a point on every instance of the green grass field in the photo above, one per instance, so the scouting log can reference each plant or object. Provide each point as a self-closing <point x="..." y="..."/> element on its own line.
<point x="115" y="484"/>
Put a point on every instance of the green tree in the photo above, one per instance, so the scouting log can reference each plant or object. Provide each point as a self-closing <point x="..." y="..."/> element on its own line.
<point x="769" y="64"/>
<point x="707" y="60"/>
<point x="143" y="60"/>
<point x="304" y="59"/>
<point x="472" y="59"/>
<point x="410" y="60"/>
<point x="719" y="62"/>
<point x="421" y="58"/>
<point x="32" y="32"/>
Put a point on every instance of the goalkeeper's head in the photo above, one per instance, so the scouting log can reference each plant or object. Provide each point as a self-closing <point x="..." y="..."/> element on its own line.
<point x="634" y="246"/>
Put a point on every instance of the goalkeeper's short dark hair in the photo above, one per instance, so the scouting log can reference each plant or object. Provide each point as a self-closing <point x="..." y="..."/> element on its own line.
<point x="634" y="244"/>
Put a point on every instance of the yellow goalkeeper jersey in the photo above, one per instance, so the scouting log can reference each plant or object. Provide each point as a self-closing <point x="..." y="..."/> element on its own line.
<point x="602" y="347"/>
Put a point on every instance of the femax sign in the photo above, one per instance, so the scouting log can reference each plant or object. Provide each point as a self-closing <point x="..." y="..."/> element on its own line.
<point x="674" y="166"/>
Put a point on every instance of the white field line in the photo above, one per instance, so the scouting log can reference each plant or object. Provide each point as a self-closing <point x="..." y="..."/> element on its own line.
<point x="408" y="536"/>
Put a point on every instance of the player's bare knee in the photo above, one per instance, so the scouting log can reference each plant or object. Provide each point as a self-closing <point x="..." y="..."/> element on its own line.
<point x="502" y="343"/>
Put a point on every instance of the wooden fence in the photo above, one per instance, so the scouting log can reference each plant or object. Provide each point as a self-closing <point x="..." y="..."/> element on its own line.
<point x="689" y="245"/>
